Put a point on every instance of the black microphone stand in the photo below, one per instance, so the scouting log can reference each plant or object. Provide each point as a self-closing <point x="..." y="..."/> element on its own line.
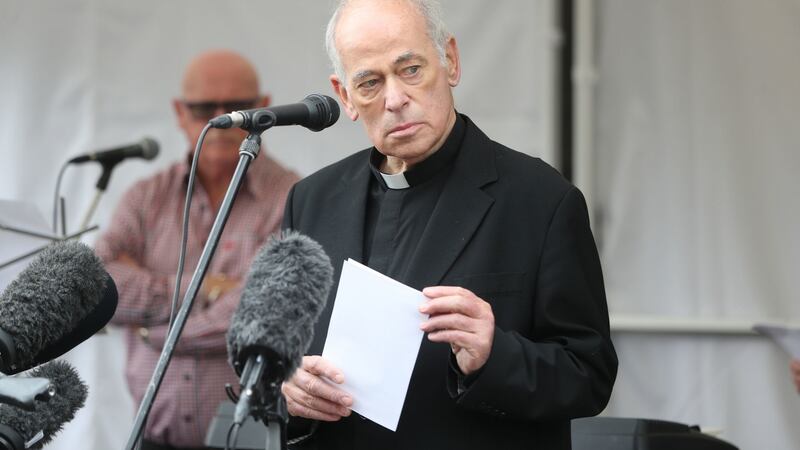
<point x="100" y="189"/>
<point x="261" y="398"/>
<point x="247" y="152"/>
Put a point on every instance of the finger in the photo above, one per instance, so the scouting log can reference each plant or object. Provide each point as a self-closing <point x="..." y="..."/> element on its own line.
<point x="319" y="366"/>
<point x="315" y="386"/>
<point x="304" y="403"/>
<point x="460" y="339"/>
<point x="442" y="291"/>
<point x="450" y="322"/>
<point x="299" y="410"/>
<point x="469" y="306"/>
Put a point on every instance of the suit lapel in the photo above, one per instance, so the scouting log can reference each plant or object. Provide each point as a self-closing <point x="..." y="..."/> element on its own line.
<point x="458" y="213"/>
<point x="347" y="223"/>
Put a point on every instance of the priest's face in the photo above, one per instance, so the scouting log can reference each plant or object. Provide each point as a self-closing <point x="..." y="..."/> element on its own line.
<point x="395" y="81"/>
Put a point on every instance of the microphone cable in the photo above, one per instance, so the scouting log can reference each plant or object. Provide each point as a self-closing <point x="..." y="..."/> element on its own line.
<point x="57" y="197"/>
<point x="233" y="432"/>
<point x="185" y="224"/>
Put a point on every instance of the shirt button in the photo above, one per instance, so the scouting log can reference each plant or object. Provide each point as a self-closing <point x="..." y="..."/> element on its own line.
<point x="187" y="419"/>
<point x="187" y="377"/>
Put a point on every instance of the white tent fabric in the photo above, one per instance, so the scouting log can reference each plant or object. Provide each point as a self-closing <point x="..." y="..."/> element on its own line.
<point x="696" y="142"/>
<point x="82" y="75"/>
<point x="697" y="204"/>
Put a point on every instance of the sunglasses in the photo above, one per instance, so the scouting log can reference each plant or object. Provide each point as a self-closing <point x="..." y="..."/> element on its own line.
<point x="208" y="110"/>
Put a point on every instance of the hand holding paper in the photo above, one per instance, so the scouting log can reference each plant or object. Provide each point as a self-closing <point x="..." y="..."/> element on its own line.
<point x="309" y="395"/>
<point x="463" y="320"/>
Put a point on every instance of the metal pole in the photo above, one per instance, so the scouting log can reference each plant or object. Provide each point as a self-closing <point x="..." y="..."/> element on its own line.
<point x="584" y="77"/>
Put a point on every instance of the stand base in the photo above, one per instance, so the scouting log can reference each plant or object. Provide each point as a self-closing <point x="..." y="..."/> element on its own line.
<point x="252" y="435"/>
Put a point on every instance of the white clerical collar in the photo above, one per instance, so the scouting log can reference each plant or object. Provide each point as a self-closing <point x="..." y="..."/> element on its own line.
<point x="396" y="181"/>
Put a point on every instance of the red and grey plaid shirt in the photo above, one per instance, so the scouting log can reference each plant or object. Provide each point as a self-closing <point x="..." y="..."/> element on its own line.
<point x="147" y="226"/>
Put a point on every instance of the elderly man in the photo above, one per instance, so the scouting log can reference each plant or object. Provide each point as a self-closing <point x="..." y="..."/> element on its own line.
<point x="141" y="249"/>
<point x="518" y="337"/>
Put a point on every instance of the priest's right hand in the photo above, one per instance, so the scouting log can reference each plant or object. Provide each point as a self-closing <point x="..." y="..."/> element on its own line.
<point x="308" y="395"/>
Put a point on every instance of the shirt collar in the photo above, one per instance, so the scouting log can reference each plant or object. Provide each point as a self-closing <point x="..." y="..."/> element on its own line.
<point x="424" y="170"/>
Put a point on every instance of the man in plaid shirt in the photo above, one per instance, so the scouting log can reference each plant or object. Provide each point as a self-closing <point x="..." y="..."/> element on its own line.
<point x="141" y="249"/>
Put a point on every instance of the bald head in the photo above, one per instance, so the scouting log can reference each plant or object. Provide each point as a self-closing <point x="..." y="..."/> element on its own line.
<point x="220" y="68"/>
<point x="217" y="82"/>
<point x="430" y="10"/>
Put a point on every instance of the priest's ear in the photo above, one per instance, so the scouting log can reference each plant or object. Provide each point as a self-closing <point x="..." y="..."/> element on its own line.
<point x="344" y="97"/>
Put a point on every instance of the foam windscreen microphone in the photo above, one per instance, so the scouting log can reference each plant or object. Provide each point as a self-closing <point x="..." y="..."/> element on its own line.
<point x="61" y="299"/>
<point x="272" y="328"/>
<point x="21" y="429"/>
<point x="285" y="291"/>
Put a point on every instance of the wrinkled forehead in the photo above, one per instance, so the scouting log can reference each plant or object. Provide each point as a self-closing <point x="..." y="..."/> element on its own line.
<point x="388" y="30"/>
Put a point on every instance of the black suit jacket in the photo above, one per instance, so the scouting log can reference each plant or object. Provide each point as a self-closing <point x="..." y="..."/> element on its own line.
<point x="509" y="228"/>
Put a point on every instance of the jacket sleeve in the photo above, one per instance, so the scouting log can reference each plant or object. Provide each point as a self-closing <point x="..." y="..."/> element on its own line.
<point x="567" y="367"/>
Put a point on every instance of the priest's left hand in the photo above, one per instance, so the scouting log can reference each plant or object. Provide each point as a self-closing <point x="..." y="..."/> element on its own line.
<point x="462" y="319"/>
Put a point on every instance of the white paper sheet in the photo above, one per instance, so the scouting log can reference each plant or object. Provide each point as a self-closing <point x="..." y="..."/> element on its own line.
<point x="787" y="338"/>
<point x="374" y="338"/>
<point x="24" y="216"/>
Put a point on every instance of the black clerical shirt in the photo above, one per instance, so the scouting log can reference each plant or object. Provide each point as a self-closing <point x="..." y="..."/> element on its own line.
<point x="397" y="217"/>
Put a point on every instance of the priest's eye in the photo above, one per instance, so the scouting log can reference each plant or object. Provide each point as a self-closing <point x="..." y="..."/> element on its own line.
<point x="369" y="84"/>
<point x="411" y="70"/>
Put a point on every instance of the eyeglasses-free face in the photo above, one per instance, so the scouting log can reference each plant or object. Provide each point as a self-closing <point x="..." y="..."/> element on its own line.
<point x="207" y="110"/>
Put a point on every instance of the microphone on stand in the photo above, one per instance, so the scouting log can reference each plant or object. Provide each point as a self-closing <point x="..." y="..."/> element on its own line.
<point x="147" y="149"/>
<point x="22" y="430"/>
<point x="315" y="112"/>
<point x="272" y="328"/>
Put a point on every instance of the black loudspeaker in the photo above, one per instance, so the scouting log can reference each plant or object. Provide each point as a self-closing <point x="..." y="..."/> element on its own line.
<point x="617" y="433"/>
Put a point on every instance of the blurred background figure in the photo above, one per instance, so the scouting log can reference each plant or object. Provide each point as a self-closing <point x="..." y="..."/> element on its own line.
<point x="141" y="248"/>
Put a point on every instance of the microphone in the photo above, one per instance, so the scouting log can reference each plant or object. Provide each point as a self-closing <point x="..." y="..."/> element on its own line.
<point x="315" y="112"/>
<point x="20" y="429"/>
<point x="61" y="299"/>
<point x="147" y="148"/>
<point x="272" y="328"/>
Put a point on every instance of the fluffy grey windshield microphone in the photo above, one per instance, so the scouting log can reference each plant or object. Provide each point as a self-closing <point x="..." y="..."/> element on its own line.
<point x="64" y="296"/>
<point x="37" y="427"/>
<point x="284" y="293"/>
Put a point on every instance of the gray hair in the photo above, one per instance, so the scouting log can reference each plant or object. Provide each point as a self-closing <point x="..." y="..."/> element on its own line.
<point x="430" y="10"/>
